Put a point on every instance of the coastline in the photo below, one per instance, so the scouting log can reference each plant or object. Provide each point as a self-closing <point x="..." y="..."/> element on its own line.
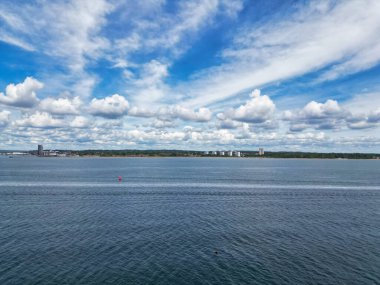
<point x="194" y="157"/>
<point x="243" y="154"/>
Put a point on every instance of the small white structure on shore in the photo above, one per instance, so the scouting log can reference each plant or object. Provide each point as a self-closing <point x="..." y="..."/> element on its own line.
<point x="261" y="151"/>
<point x="230" y="153"/>
<point x="205" y="153"/>
<point x="49" y="153"/>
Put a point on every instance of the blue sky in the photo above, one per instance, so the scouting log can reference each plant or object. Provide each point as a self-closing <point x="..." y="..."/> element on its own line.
<point x="227" y="74"/>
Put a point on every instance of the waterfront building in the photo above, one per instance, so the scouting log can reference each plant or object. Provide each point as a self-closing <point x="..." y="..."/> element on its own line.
<point x="261" y="151"/>
<point x="221" y="153"/>
<point x="52" y="153"/>
<point x="40" y="151"/>
<point x="230" y="153"/>
<point x="214" y="153"/>
<point x="49" y="153"/>
<point x="237" y="153"/>
<point x="205" y="153"/>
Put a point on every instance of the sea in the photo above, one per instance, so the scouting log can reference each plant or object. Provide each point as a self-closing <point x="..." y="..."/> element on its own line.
<point x="189" y="221"/>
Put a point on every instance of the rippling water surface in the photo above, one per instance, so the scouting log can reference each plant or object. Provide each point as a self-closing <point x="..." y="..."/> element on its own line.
<point x="189" y="221"/>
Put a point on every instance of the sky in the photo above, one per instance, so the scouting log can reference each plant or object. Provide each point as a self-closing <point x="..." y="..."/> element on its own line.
<point x="202" y="75"/>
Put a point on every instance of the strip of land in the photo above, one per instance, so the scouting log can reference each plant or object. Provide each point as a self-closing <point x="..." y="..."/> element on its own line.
<point x="191" y="153"/>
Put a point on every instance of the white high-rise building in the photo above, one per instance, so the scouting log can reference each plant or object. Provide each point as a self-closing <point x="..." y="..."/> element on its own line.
<point x="261" y="151"/>
<point x="230" y="153"/>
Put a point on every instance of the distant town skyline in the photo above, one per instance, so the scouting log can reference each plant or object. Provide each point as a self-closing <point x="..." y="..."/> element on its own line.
<point x="199" y="75"/>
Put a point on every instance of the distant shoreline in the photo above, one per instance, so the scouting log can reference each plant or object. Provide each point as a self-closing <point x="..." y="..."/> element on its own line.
<point x="200" y="157"/>
<point x="193" y="154"/>
<point x="219" y="157"/>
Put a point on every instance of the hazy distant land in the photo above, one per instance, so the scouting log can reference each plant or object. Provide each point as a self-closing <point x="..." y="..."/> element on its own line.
<point x="185" y="153"/>
<point x="192" y="153"/>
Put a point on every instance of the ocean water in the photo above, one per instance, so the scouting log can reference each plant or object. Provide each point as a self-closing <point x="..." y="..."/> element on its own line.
<point x="189" y="221"/>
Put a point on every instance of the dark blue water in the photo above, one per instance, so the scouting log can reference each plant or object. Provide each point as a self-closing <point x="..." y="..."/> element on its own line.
<point x="69" y="221"/>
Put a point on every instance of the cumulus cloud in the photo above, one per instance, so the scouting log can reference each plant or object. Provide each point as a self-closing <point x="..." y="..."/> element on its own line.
<point x="359" y="125"/>
<point x="227" y="123"/>
<point x="40" y="120"/>
<point x="110" y="107"/>
<point x="4" y="118"/>
<point x="364" y="121"/>
<point x="258" y="109"/>
<point x="307" y="137"/>
<point x="170" y="113"/>
<point x="321" y="110"/>
<point x="328" y="115"/>
<point x="374" y="117"/>
<point x="141" y="112"/>
<point x="162" y="124"/>
<point x="22" y="94"/>
<point x="61" y="106"/>
<point x="298" y="127"/>
<point x="80" y="122"/>
<point x="200" y="115"/>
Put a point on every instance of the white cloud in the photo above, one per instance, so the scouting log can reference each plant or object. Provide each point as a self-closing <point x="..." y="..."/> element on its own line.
<point x="141" y="112"/>
<point x="149" y="87"/>
<point x="328" y="115"/>
<point x="363" y="101"/>
<point x="374" y="117"/>
<point x="40" y="120"/>
<point x="65" y="41"/>
<point x="338" y="38"/>
<point x="169" y="35"/>
<point x="200" y="115"/>
<point x="365" y="58"/>
<point x="359" y="125"/>
<point x="307" y="137"/>
<point x="153" y="73"/>
<point x="192" y="15"/>
<point x="71" y="36"/>
<point x="227" y="123"/>
<point x="80" y="122"/>
<point x="321" y="110"/>
<point x="110" y="107"/>
<point x="344" y="32"/>
<point x="258" y="109"/>
<point x="231" y="7"/>
<point x="4" y="118"/>
<point x="161" y="124"/>
<point x="4" y="37"/>
<point x="22" y="94"/>
<point x="61" y="106"/>
<point x="154" y="28"/>
<point x="298" y="127"/>
<point x="169" y="113"/>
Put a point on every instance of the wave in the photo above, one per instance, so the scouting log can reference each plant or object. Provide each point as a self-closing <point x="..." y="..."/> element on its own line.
<point x="75" y="184"/>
